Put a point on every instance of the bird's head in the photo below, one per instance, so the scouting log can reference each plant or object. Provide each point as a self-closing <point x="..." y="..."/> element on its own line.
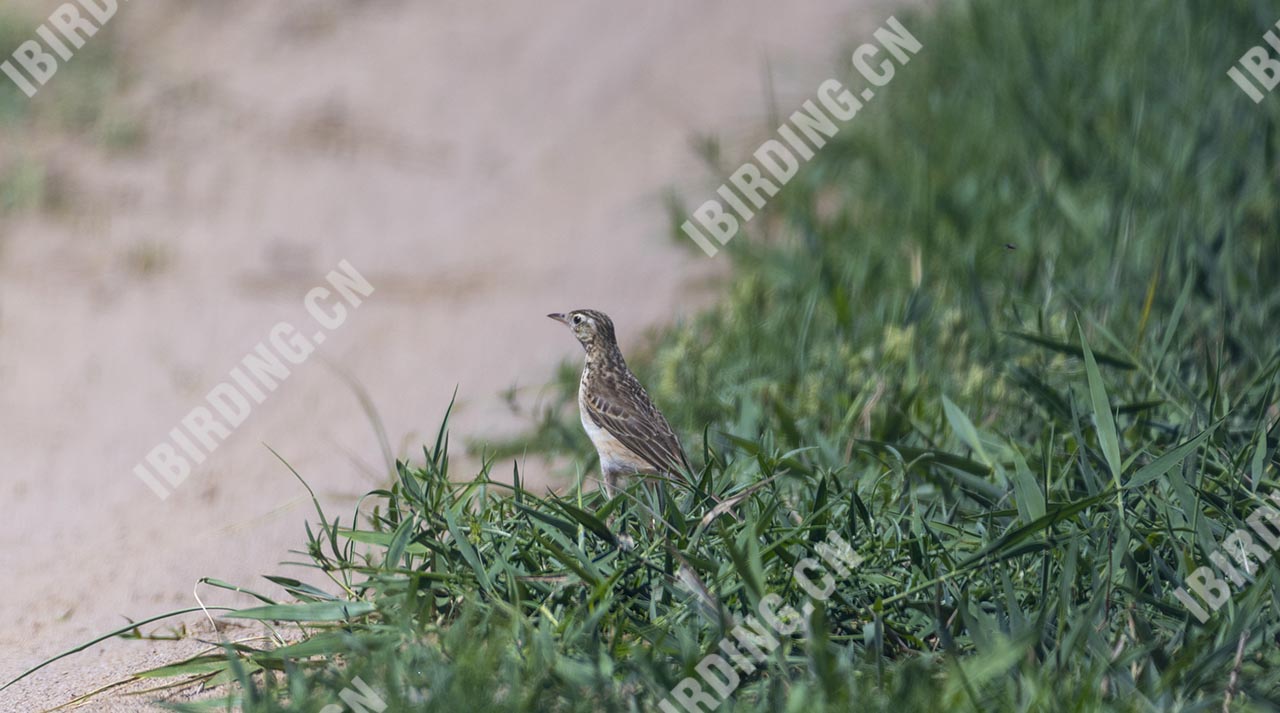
<point x="594" y="329"/>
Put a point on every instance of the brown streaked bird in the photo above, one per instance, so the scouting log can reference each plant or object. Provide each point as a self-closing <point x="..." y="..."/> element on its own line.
<point x="629" y="432"/>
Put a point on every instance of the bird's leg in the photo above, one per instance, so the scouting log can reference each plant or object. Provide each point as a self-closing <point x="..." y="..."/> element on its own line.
<point x="625" y="542"/>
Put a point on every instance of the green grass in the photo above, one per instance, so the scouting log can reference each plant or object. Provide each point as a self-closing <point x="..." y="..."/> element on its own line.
<point x="1013" y="335"/>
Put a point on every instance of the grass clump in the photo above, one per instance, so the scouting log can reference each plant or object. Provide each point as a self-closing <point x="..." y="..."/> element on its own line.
<point x="1012" y="335"/>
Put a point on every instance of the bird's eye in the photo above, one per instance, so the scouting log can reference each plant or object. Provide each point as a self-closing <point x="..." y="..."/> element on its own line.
<point x="577" y="319"/>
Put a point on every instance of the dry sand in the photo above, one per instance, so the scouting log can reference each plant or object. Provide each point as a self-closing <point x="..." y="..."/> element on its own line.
<point x="481" y="163"/>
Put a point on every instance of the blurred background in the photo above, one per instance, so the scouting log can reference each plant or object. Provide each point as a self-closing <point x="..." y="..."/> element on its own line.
<point x="180" y="184"/>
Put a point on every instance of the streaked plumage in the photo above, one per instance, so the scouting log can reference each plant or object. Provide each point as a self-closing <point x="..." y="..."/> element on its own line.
<point x="630" y="434"/>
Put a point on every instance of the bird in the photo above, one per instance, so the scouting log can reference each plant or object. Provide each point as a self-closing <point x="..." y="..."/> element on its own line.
<point x="630" y="434"/>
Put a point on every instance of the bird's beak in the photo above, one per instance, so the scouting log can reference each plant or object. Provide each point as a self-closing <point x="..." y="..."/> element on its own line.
<point x="559" y="317"/>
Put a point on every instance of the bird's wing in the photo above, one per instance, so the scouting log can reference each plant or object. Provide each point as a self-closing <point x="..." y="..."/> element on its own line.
<point x="621" y="407"/>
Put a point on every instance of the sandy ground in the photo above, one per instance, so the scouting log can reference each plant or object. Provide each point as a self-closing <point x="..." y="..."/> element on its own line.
<point x="481" y="163"/>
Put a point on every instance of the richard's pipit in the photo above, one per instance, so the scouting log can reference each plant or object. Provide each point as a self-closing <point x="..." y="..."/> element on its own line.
<point x="629" y="432"/>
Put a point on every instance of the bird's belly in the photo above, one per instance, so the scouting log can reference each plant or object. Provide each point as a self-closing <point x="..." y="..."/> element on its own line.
<point x="614" y="457"/>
